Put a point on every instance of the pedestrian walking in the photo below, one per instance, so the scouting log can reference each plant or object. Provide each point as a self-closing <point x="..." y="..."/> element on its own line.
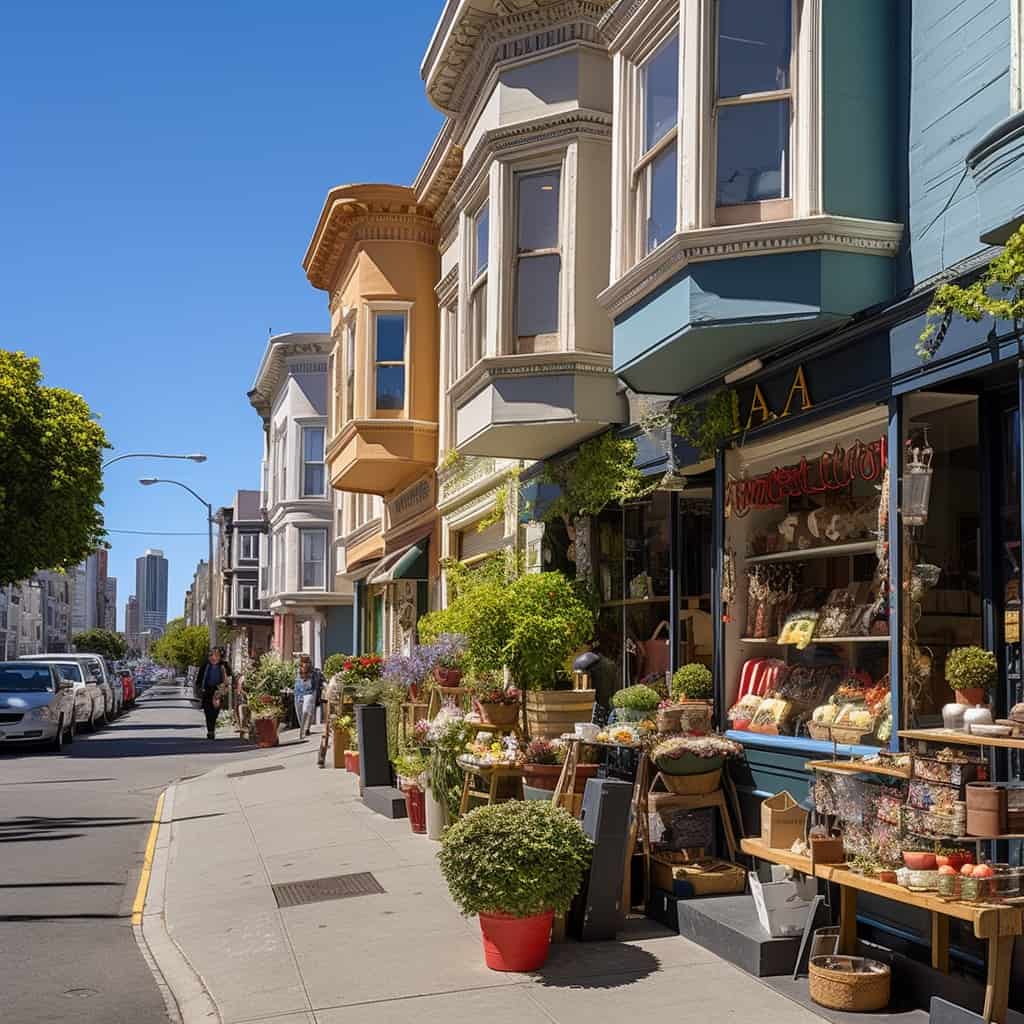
<point x="211" y="682"/>
<point x="309" y="686"/>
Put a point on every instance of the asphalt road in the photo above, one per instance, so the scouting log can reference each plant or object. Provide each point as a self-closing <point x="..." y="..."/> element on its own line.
<point x="73" y="832"/>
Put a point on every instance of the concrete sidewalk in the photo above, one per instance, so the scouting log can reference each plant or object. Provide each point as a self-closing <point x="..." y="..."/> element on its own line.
<point x="229" y="954"/>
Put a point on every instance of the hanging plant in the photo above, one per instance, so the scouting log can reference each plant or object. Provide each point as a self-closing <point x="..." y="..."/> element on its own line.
<point x="998" y="293"/>
<point x="707" y="425"/>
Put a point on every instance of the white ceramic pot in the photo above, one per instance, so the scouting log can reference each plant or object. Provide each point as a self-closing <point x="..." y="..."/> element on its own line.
<point x="977" y="716"/>
<point x="953" y="716"/>
<point x="437" y="814"/>
<point x="587" y="731"/>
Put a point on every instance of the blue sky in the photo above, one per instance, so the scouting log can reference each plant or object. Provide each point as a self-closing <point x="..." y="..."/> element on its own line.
<point x="162" y="166"/>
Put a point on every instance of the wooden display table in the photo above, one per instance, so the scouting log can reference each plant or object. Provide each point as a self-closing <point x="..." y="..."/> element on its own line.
<point x="996" y="923"/>
<point x="960" y="738"/>
<point x="492" y="774"/>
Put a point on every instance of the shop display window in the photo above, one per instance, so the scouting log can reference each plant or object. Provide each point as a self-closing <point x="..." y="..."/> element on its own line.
<point x="805" y="583"/>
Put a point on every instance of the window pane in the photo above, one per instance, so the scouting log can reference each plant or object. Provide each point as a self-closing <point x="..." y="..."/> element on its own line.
<point x="313" y="480"/>
<point x="753" y="46"/>
<point x="661" y="92"/>
<point x="482" y="226"/>
<point x="661" y="217"/>
<point x="390" y="337"/>
<point x="538" y="210"/>
<point x="753" y="152"/>
<point x="313" y="444"/>
<point x="391" y="387"/>
<point x="479" y="325"/>
<point x="537" y="295"/>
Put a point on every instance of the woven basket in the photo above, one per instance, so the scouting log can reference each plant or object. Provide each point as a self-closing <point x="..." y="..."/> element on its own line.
<point x="840" y="989"/>
<point x="668" y="719"/>
<point x="693" y="785"/>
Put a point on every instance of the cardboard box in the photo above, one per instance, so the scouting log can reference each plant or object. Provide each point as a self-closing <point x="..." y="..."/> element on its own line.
<point x="705" y="877"/>
<point x="783" y="903"/>
<point x="783" y="821"/>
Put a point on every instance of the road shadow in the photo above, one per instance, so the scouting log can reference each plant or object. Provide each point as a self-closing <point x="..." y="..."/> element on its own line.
<point x="25" y="829"/>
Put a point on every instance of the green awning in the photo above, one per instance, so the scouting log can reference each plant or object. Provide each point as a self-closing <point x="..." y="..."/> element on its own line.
<point x="408" y="563"/>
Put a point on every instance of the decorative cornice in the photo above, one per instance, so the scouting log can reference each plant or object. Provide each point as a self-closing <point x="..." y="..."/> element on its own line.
<point x="539" y="132"/>
<point x="473" y="35"/>
<point x="835" y="234"/>
<point x="279" y="350"/>
<point x="361" y="213"/>
<point x="545" y="364"/>
<point x="448" y="287"/>
<point x="439" y="169"/>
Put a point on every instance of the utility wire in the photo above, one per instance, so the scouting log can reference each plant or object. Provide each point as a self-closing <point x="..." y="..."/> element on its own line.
<point x="160" y="533"/>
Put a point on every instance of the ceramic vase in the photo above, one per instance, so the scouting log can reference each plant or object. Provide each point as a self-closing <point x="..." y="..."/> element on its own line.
<point x="977" y="716"/>
<point x="953" y="716"/>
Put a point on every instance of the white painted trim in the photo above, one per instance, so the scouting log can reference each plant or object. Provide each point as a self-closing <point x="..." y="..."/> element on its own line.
<point x="370" y="375"/>
<point x="1016" y="55"/>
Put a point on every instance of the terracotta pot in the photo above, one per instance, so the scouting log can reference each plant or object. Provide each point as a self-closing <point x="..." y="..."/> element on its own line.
<point x="352" y="761"/>
<point x="501" y="716"/>
<point x="415" y="807"/>
<point x="266" y="732"/>
<point x="919" y="860"/>
<point x="448" y="676"/>
<point x="974" y="695"/>
<point x="545" y="776"/>
<point x="516" y="943"/>
<point x="986" y="809"/>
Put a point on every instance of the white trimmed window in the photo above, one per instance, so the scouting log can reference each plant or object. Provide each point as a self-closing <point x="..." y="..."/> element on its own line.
<point x="313" y="474"/>
<point x="656" y="171"/>
<point x="282" y="465"/>
<point x="350" y="369"/>
<point x="249" y="547"/>
<point x="390" y="345"/>
<point x="537" y="261"/>
<point x="248" y="600"/>
<point x="314" y="558"/>
<point x="480" y="243"/>
<point x="754" y="110"/>
<point x="279" y="565"/>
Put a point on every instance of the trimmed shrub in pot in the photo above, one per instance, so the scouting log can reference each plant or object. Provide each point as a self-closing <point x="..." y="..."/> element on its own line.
<point x="514" y="865"/>
<point x="972" y="672"/>
<point x="692" y="682"/>
<point x="635" y="703"/>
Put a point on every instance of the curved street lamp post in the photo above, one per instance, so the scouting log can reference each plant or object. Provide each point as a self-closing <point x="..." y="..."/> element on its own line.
<point x="195" y="457"/>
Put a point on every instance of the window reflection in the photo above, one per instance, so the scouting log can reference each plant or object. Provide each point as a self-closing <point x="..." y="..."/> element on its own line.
<point x="753" y="152"/>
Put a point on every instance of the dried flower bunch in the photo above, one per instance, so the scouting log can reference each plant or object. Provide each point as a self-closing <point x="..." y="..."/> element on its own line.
<point x="698" y="746"/>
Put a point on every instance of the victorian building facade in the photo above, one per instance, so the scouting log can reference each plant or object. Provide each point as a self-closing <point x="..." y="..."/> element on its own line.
<point x="298" y="584"/>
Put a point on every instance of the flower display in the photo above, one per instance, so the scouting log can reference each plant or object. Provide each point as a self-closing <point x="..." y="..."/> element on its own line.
<point x="699" y="746"/>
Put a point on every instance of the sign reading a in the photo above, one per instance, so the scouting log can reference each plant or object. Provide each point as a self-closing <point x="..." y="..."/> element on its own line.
<point x="761" y="412"/>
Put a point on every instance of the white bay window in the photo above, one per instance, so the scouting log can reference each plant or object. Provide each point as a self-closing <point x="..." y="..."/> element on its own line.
<point x="655" y="174"/>
<point x="477" y="335"/>
<point x="537" y="260"/>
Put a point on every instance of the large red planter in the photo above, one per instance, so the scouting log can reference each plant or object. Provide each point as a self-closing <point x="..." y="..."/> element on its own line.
<point x="545" y="776"/>
<point x="352" y="761"/>
<point x="448" y="676"/>
<point x="416" y="807"/>
<point x="266" y="732"/>
<point x="516" y="943"/>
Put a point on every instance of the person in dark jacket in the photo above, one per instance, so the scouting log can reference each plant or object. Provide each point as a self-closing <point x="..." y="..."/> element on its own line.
<point x="213" y="679"/>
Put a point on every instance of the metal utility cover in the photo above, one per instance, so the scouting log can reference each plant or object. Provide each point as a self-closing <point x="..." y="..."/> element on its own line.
<point x="256" y="771"/>
<point x="319" y="890"/>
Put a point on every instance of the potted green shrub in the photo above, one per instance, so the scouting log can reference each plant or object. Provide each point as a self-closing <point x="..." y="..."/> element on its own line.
<point x="693" y="764"/>
<point x="692" y="691"/>
<point x="972" y="672"/>
<point x="635" y="703"/>
<point x="264" y="686"/>
<point x="514" y="865"/>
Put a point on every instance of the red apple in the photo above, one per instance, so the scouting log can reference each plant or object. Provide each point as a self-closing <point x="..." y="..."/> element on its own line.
<point x="947" y="870"/>
<point x="967" y="870"/>
<point x="983" y="871"/>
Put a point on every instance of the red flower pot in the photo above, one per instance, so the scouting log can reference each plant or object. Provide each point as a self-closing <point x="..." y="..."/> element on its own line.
<point x="973" y="696"/>
<point x="448" y="676"/>
<point x="352" y="761"/>
<point x="545" y="776"/>
<point x="266" y="732"/>
<point x="501" y="716"/>
<point x="416" y="807"/>
<point x="516" y="943"/>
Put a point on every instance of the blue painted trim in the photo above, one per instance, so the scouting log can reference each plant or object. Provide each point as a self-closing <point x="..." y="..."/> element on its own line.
<point x="798" y="745"/>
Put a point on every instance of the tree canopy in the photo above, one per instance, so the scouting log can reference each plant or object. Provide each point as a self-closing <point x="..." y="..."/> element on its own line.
<point x="101" y="641"/>
<point x="51" y="481"/>
<point x="182" y="645"/>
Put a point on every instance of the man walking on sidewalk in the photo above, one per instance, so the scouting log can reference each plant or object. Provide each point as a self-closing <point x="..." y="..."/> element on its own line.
<point x="309" y="685"/>
<point x="212" y="681"/>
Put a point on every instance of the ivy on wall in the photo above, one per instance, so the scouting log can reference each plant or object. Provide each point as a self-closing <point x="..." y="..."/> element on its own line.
<point x="704" y="424"/>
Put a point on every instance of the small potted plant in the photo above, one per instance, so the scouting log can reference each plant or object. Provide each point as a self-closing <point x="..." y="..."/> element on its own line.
<point x="543" y="764"/>
<point x="693" y="689"/>
<point x="361" y="675"/>
<point x="409" y="672"/>
<point x="693" y="764"/>
<point x="448" y="653"/>
<point x="497" y="705"/>
<point x="352" y="752"/>
<point x="342" y="725"/>
<point x="411" y="768"/>
<point x="972" y="673"/>
<point x="264" y="685"/>
<point x="635" y="703"/>
<point x="514" y="865"/>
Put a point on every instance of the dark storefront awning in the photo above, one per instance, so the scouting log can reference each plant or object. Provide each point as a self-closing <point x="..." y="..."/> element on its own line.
<point x="407" y="563"/>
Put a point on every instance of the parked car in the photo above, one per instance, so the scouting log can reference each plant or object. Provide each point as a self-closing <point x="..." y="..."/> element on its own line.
<point x="93" y="667"/>
<point x="128" y="683"/>
<point x="36" y="704"/>
<point x="90" y="704"/>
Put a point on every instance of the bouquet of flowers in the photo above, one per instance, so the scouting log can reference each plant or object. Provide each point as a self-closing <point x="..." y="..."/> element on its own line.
<point x="362" y="673"/>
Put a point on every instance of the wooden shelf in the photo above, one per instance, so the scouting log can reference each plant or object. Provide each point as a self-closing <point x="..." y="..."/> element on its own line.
<point x="857" y="768"/>
<point x="822" y="640"/>
<point x="960" y="738"/>
<point x="860" y="547"/>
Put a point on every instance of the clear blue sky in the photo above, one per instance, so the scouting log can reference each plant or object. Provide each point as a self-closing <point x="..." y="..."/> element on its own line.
<point x="162" y="166"/>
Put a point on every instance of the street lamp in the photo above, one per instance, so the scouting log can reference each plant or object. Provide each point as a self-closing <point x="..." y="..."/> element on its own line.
<point x="195" y="457"/>
<point x="210" y="616"/>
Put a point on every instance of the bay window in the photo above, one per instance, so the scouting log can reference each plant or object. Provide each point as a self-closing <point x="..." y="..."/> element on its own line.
<point x="313" y="462"/>
<point x="754" y="110"/>
<point x="249" y="547"/>
<point x="390" y="331"/>
<point x="314" y="558"/>
<point x="537" y="260"/>
<point x="350" y="370"/>
<point x="655" y="174"/>
<point x="478" y="290"/>
<point x="247" y="599"/>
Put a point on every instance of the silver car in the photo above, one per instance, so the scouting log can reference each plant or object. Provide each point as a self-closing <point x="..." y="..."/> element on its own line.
<point x="93" y="669"/>
<point x="36" y="705"/>
<point x="90" y="705"/>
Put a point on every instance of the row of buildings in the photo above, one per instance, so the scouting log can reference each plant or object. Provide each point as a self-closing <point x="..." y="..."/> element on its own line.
<point x="731" y="215"/>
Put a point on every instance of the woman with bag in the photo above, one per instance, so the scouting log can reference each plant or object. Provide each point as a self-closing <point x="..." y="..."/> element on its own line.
<point x="309" y="684"/>
<point x="213" y="680"/>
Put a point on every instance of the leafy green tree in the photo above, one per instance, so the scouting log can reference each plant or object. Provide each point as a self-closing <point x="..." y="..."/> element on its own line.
<point x="51" y="481"/>
<point x="101" y="641"/>
<point x="181" y="647"/>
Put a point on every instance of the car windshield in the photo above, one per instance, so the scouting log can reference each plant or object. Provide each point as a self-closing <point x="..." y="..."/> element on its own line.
<point x="25" y="679"/>
<point x="70" y="670"/>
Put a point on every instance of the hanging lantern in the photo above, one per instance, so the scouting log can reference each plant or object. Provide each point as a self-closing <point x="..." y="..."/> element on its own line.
<point x="917" y="479"/>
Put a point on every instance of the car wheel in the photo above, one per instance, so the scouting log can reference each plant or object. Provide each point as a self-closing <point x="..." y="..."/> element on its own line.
<point x="57" y="743"/>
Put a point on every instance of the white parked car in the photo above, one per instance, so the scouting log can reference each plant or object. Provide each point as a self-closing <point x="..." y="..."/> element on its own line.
<point x="94" y="668"/>
<point x="90" y="704"/>
<point x="36" y="704"/>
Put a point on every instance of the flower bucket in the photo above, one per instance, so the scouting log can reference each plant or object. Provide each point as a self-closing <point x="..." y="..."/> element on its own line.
<point x="545" y="776"/>
<point x="516" y="943"/>
<point x="437" y="815"/>
<point x="501" y="716"/>
<point x="266" y="732"/>
<point x="448" y="677"/>
<point x="352" y="761"/>
<point x="689" y="764"/>
<point x="415" y="807"/>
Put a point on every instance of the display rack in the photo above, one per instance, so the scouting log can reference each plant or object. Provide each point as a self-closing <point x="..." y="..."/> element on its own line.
<point x="859" y="547"/>
<point x="960" y="738"/>
<point x="884" y="639"/>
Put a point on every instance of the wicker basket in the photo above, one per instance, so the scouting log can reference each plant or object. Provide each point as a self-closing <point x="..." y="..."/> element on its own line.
<point x="836" y="983"/>
<point x="668" y="719"/>
<point x="693" y="785"/>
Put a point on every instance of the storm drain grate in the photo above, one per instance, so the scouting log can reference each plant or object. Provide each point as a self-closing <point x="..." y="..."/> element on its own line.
<point x="318" y="890"/>
<point x="256" y="771"/>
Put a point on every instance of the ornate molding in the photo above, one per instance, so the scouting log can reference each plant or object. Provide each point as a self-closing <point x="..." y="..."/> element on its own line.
<point x="498" y="142"/>
<point x="494" y="368"/>
<point x="835" y="234"/>
<point x="477" y="37"/>
<point x="448" y="287"/>
<point x="279" y="350"/>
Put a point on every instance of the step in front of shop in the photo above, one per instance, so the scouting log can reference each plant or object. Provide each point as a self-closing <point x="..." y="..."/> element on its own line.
<point x="385" y="800"/>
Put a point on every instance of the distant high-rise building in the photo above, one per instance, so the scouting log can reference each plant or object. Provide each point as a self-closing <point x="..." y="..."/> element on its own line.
<point x="110" y="604"/>
<point x="84" y="581"/>
<point x="151" y="591"/>
<point x="131" y="622"/>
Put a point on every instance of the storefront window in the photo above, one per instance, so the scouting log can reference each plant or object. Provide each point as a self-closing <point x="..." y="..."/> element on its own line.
<point x="941" y="556"/>
<point x="805" y="584"/>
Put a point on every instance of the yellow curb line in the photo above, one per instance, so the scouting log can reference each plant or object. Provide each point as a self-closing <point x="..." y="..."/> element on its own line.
<point x="147" y="863"/>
